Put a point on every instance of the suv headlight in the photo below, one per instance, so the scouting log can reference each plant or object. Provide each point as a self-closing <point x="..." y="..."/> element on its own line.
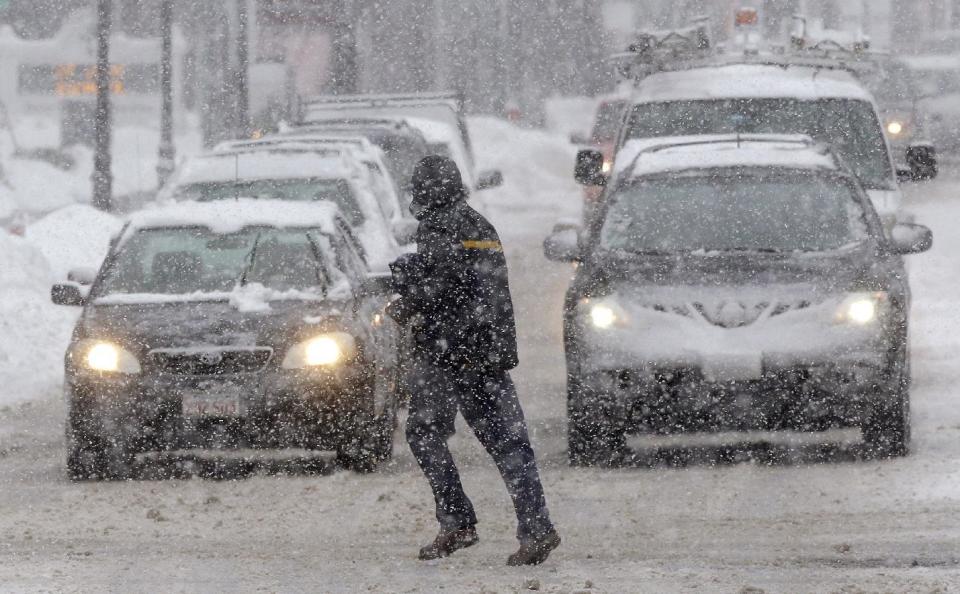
<point x="325" y="350"/>
<point x="861" y="308"/>
<point x="603" y="314"/>
<point x="105" y="357"/>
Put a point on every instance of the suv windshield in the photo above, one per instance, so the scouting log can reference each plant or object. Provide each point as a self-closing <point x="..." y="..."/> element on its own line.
<point x="767" y="213"/>
<point x="186" y="260"/>
<point x="337" y="191"/>
<point x="849" y="126"/>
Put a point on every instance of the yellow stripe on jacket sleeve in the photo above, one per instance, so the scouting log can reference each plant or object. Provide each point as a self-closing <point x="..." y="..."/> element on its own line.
<point x="483" y="245"/>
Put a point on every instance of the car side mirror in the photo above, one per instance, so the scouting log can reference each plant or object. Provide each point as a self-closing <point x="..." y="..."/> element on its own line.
<point x="563" y="244"/>
<point x="82" y="276"/>
<point x="490" y="179"/>
<point x="922" y="160"/>
<point x="377" y="285"/>
<point x="67" y="294"/>
<point x="589" y="168"/>
<point x="405" y="230"/>
<point x="909" y="238"/>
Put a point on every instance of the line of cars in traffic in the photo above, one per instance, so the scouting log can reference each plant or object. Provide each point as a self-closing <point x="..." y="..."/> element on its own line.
<point x="740" y="263"/>
<point x="245" y="309"/>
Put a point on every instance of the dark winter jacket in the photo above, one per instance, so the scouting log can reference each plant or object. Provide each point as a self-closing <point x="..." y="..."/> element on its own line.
<point x="454" y="291"/>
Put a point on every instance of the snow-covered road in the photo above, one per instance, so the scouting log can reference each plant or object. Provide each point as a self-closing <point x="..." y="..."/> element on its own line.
<point x="679" y="520"/>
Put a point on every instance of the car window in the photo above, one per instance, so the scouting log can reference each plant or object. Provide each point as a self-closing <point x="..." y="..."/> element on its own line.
<point x="606" y="126"/>
<point x="350" y="254"/>
<point x="850" y="126"/>
<point x="337" y="191"/>
<point x="388" y="207"/>
<point x="733" y="213"/>
<point x="186" y="260"/>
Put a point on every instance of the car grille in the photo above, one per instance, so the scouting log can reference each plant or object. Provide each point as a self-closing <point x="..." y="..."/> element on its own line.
<point x="733" y="313"/>
<point x="210" y="362"/>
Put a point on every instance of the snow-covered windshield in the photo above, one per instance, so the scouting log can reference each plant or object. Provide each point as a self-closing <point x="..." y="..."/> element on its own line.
<point x="849" y="126"/>
<point x="187" y="260"/>
<point x="776" y="213"/>
<point x="337" y="191"/>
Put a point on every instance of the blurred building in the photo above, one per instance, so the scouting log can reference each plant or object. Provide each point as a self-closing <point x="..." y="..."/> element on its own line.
<point x="498" y="53"/>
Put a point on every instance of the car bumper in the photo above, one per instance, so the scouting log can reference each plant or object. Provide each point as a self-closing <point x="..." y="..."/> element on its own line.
<point x="312" y="410"/>
<point x="735" y="380"/>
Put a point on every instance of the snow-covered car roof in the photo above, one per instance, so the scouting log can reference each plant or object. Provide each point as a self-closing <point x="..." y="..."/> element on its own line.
<point x="316" y="141"/>
<point x="749" y="81"/>
<point x="652" y="156"/>
<point x="265" y="164"/>
<point x="230" y="216"/>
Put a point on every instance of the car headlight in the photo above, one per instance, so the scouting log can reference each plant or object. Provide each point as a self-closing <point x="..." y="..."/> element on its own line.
<point x="861" y="308"/>
<point x="606" y="167"/>
<point x="325" y="350"/>
<point x="602" y="314"/>
<point x="105" y="357"/>
<point x="894" y="128"/>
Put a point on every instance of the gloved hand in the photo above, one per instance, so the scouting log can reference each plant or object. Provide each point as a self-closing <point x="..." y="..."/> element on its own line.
<point x="407" y="271"/>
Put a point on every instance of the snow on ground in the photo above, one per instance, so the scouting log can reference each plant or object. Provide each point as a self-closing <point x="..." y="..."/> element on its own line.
<point x="537" y="169"/>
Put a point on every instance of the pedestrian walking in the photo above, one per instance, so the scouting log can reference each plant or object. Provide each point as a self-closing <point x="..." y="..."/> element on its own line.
<point x="455" y="299"/>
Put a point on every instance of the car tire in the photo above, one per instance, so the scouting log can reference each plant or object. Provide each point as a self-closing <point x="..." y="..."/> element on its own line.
<point x="90" y="457"/>
<point x="886" y="432"/>
<point x="88" y="462"/>
<point x="594" y="436"/>
<point x="372" y="445"/>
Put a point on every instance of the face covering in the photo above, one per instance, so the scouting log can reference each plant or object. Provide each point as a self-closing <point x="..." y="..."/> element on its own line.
<point x="418" y="211"/>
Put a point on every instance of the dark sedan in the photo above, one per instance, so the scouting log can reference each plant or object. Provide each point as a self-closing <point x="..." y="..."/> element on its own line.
<point x="240" y="324"/>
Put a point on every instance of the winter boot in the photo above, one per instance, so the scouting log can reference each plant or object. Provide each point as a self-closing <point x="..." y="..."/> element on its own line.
<point x="448" y="542"/>
<point x="535" y="552"/>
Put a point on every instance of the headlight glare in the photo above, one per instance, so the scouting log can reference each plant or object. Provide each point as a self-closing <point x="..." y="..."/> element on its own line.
<point x="106" y="357"/>
<point x="894" y="128"/>
<point x="602" y="316"/>
<point x="325" y="350"/>
<point x="861" y="308"/>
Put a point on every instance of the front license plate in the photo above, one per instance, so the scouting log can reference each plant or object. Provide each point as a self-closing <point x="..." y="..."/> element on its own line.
<point x="219" y="401"/>
<point x="733" y="367"/>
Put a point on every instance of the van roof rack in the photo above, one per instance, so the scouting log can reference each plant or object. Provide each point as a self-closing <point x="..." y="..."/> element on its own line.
<point x="809" y="46"/>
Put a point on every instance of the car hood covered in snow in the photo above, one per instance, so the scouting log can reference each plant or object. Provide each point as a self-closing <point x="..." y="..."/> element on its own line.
<point x="204" y="324"/>
<point x="708" y="273"/>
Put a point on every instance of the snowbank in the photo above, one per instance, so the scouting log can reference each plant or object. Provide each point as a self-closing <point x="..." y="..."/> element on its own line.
<point x="76" y="236"/>
<point x="33" y="331"/>
<point x="537" y="169"/>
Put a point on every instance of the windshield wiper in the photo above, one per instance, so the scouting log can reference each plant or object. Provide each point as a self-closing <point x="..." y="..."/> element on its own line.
<point x="644" y="252"/>
<point x="252" y="256"/>
<point x="745" y="250"/>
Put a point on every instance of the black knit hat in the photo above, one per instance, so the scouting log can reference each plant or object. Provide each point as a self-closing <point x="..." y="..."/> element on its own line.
<point x="436" y="183"/>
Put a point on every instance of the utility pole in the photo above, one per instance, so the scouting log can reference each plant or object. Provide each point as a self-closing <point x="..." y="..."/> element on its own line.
<point x="243" y="66"/>
<point x="167" y="152"/>
<point x="102" y="176"/>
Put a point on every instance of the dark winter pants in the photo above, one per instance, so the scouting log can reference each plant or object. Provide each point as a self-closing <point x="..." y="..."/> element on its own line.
<point x="488" y="401"/>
